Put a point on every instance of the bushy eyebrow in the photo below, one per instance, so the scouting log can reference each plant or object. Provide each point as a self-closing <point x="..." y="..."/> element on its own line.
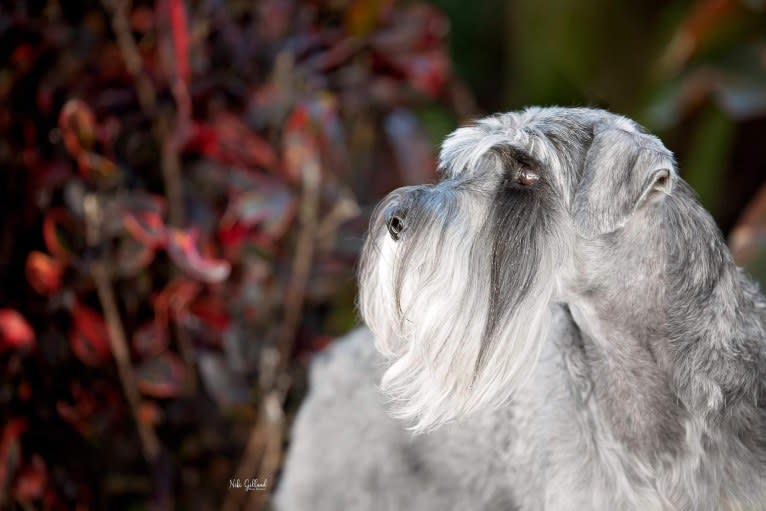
<point x="514" y="156"/>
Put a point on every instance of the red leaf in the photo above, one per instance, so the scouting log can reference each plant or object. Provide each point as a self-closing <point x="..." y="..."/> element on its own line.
<point x="142" y="19"/>
<point x="180" y="38"/>
<point x="299" y="120"/>
<point x="96" y="168"/>
<point x="61" y="235"/>
<point x="175" y="297"/>
<point x="23" y="55"/>
<point x="182" y="249"/>
<point x="207" y="318"/>
<point x="12" y="430"/>
<point x="150" y="338"/>
<point x="78" y="126"/>
<point x="43" y="273"/>
<point x="15" y="332"/>
<point x="31" y="480"/>
<point x="10" y="449"/>
<point x="204" y="140"/>
<point x="271" y="205"/>
<point x="146" y="226"/>
<point x="231" y="235"/>
<point x="161" y="376"/>
<point x="212" y="311"/>
<point x="48" y="175"/>
<point x="78" y="416"/>
<point x="427" y="72"/>
<point x="132" y="256"/>
<point x="149" y="413"/>
<point x="301" y="145"/>
<point x="230" y="141"/>
<point x="319" y="343"/>
<point x="24" y="391"/>
<point x="89" y="337"/>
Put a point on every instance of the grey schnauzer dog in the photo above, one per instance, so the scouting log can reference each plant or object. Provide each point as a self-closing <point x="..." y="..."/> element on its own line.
<point x="556" y="324"/>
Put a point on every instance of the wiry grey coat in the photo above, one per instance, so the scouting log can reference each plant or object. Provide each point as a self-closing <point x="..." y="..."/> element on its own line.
<point x="559" y="324"/>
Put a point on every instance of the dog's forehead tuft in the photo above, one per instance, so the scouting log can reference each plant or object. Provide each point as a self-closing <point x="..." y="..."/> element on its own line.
<point x="576" y="125"/>
<point x="549" y="135"/>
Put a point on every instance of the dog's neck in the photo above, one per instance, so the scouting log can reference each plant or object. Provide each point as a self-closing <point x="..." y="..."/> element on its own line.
<point x="702" y="362"/>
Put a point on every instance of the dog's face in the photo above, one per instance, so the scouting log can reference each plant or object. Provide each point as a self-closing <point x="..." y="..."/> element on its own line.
<point x="456" y="278"/>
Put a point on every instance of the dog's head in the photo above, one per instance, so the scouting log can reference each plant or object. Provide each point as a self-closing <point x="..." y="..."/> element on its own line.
<point x="456" y="278"/>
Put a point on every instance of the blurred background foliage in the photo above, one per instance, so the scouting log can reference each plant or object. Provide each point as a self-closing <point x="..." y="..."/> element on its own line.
<point x="186" y="184"/>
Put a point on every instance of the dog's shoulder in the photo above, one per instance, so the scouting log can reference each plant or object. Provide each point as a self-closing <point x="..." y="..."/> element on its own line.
<point x="346" y="452"/>
<point x="341" y="432"/>
<point x="349" y="362"/>
<point x="343" y="384"/>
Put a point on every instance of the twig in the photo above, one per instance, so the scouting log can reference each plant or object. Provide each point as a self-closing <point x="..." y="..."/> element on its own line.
<point x="171" y="132"/>
<point x="301" y="267"/>
<point x="147" y="96"/>
<point x="272" y="450"/>
<point x="344" y="209"/>
<point x="171" y="170"/>
<point x="170" y="162"/>
<point x="149" y="442"/>
<point x="255" y="446"/>
<point x="262" y="454"/>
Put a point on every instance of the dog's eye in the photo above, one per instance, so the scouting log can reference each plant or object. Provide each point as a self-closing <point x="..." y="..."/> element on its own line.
<point x="395" y="225"/>
<point x="527" y="177"/>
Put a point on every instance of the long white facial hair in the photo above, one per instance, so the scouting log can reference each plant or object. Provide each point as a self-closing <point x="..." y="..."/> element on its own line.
<point x="459" y="334"/>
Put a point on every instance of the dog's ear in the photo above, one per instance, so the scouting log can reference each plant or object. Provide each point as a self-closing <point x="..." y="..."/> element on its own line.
<point x="623" y="172"/>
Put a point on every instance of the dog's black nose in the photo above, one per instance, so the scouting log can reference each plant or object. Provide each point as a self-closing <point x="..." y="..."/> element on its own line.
<point x="395" y="222"/>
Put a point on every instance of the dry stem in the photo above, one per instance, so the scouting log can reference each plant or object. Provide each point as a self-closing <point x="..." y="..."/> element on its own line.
<point x="149" y="442"/>
<point x="164" y="132"/>
<point x="262" y="454"/>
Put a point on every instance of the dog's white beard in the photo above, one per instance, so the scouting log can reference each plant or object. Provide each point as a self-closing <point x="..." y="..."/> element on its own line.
<point x="435" y="340"/>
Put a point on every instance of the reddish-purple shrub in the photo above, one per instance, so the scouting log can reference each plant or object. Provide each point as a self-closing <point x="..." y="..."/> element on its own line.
<point x="185" y="190"/>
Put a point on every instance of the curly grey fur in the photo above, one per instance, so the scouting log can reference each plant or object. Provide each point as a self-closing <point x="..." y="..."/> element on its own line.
<point x="578" y="341"/>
